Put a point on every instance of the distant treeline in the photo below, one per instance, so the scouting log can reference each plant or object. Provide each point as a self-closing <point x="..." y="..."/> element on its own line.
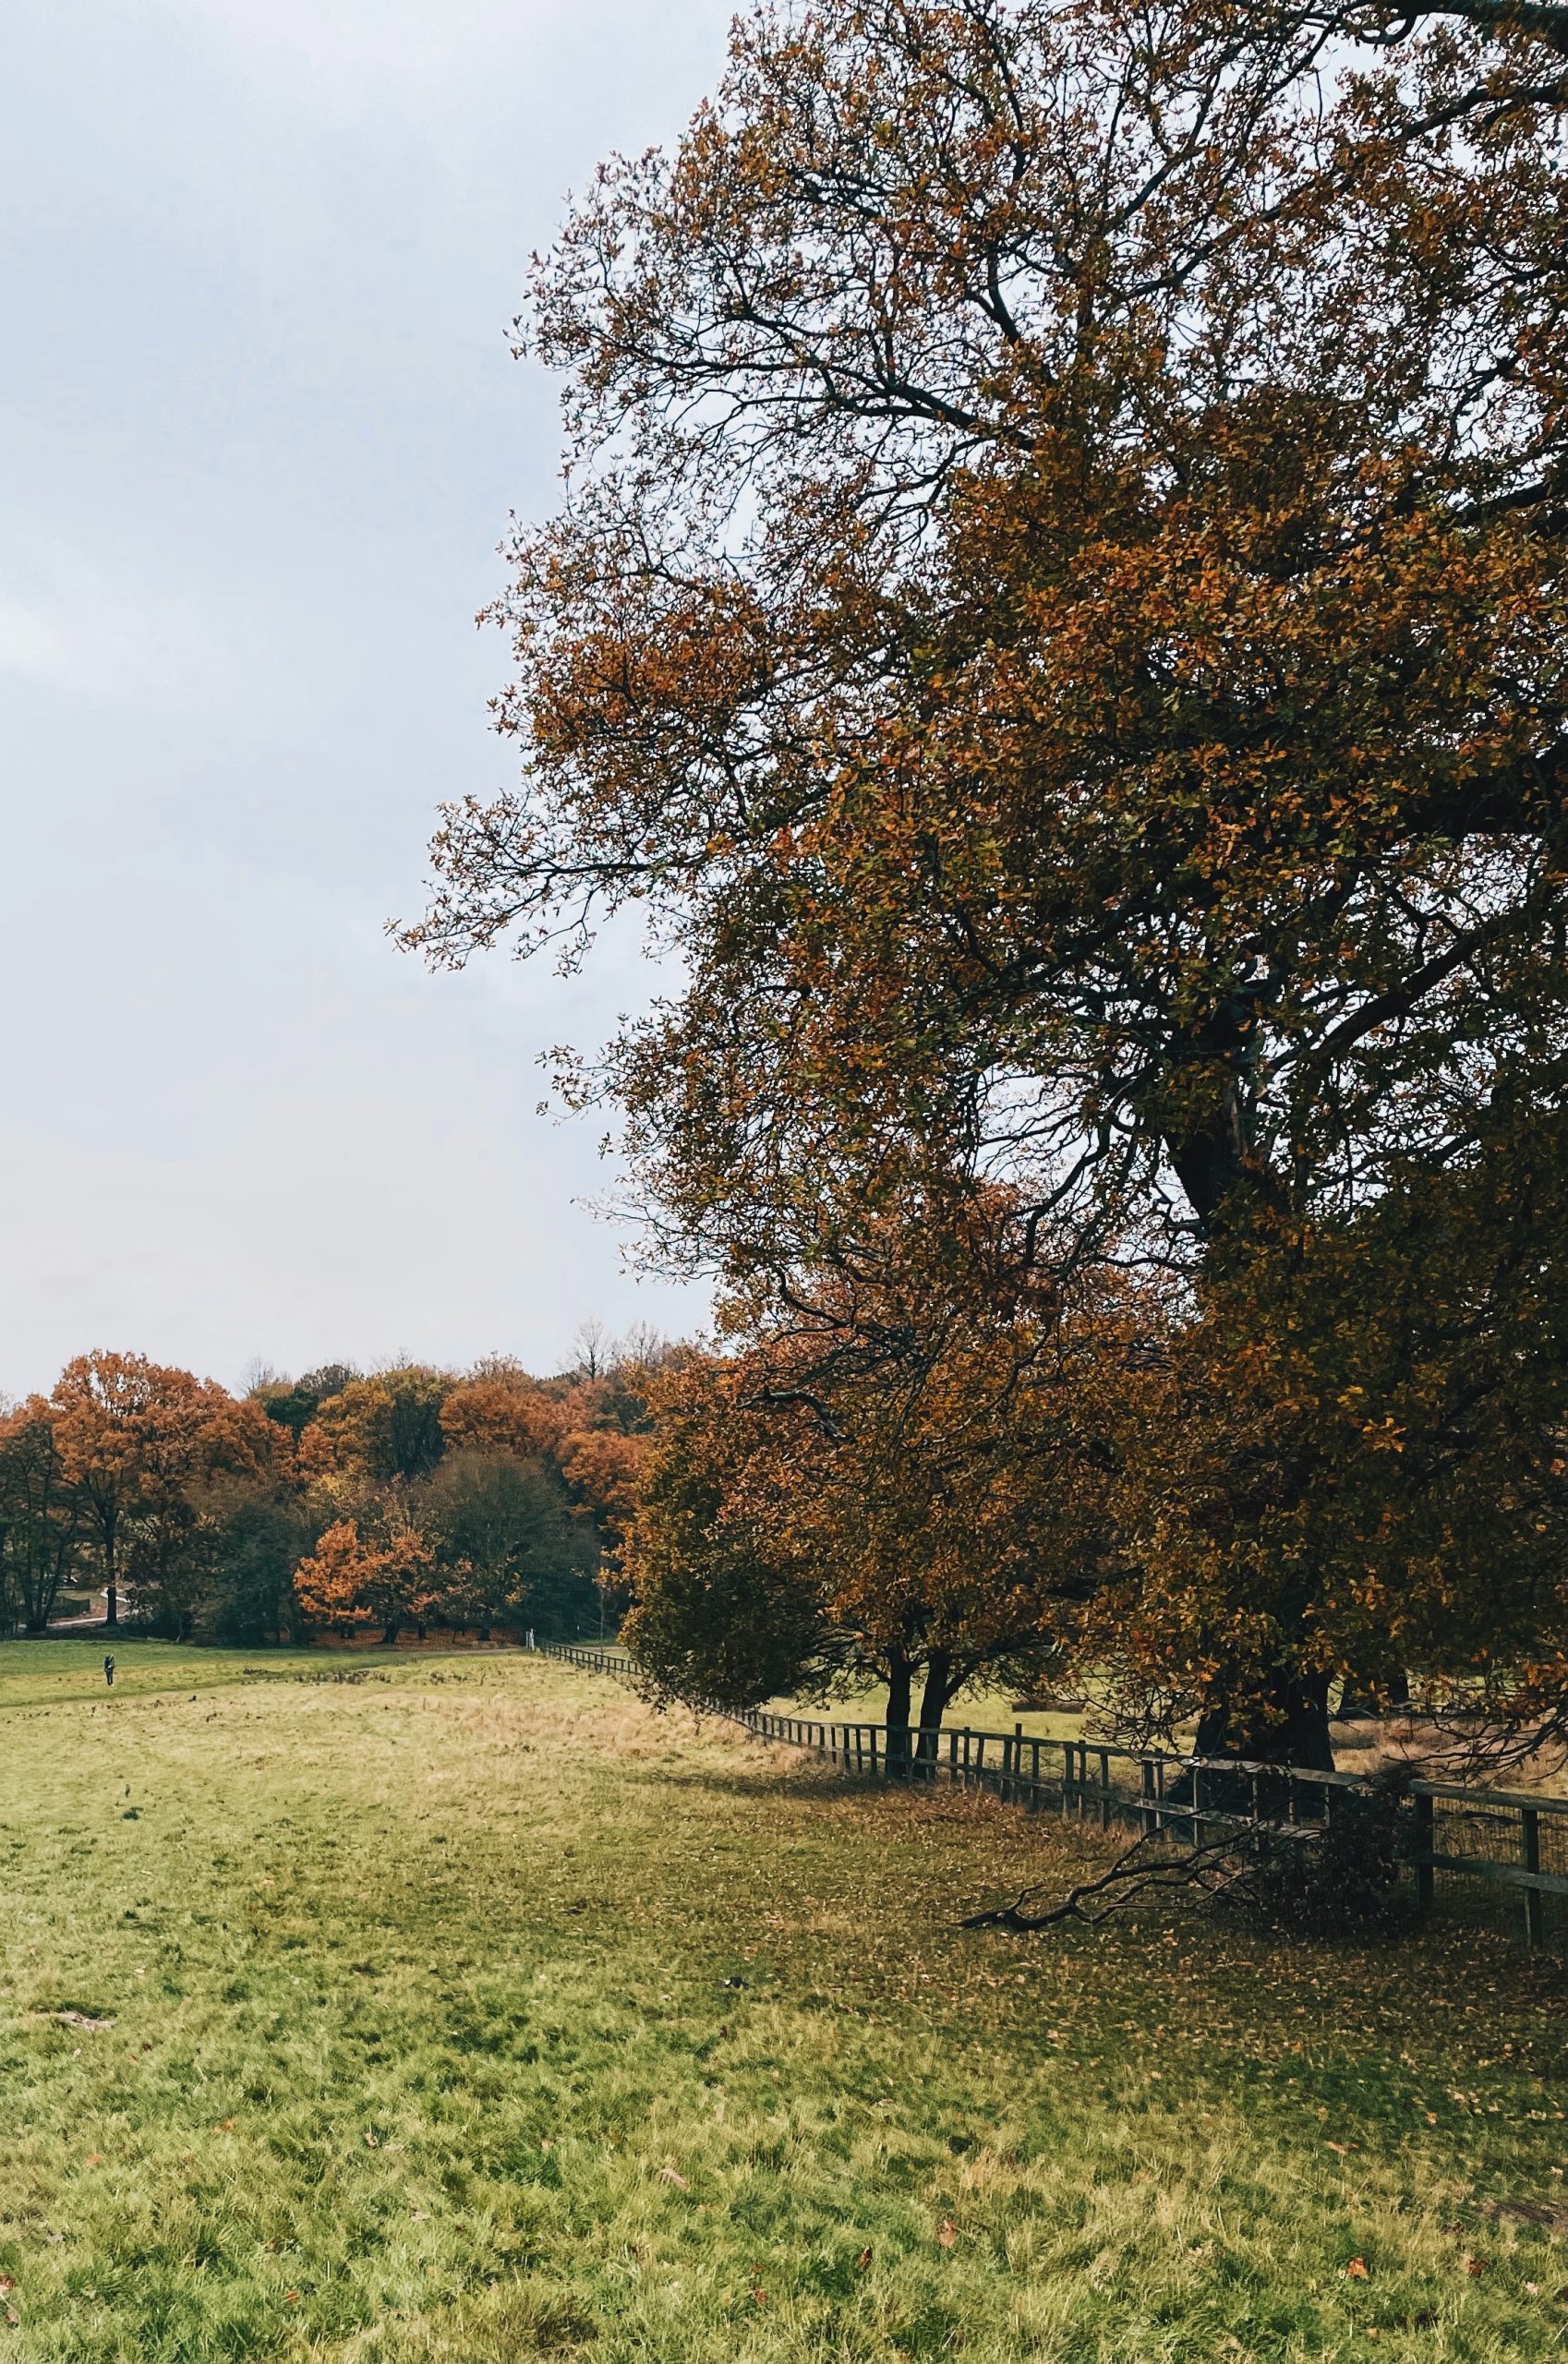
<point x="406" y="1498"/>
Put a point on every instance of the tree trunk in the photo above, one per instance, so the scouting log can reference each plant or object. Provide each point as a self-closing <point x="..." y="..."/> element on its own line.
<point x="899" y="1675"/>
<point x="934" y="1701"/>
<point x="393" y="1627"/>
<point x="1215" y="1156"/>
<point x="111" y="1571"/>
<point x="1358" y="1699"/>
<point x="1296" y="1734"/>
<point x="1219" y="1168"/>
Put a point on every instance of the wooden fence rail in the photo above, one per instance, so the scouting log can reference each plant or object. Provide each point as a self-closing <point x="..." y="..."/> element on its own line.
<point x="1510" y="1839"/>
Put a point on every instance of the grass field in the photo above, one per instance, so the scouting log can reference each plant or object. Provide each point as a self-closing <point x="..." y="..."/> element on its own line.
<point x="468" y="2011"/>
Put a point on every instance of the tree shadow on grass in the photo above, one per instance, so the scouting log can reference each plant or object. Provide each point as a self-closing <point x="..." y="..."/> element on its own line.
<point x="768" y="1782"/>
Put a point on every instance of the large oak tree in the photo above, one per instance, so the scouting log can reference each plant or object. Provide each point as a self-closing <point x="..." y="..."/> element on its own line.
<point x="1058" y="617"/>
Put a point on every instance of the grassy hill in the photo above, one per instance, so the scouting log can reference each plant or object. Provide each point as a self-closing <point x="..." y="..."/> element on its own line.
<point x="467" y="2010"/>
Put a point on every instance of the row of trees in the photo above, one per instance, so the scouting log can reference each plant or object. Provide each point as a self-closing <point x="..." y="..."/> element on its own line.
<point x="1060" y="622"/>
<point x="334" y="1502"/>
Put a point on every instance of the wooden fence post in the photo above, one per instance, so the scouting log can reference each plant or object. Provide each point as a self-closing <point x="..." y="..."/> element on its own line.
<point x="1535" y="1903"/>
<point x="1151" y="1819"/>
<point x="1426" y="1832"/>
<point x="1104" y="1789"/>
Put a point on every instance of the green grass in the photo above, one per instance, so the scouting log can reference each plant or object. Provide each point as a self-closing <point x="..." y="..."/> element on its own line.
<point x="986" y="1710"/>
<point x="427" y="2044"/>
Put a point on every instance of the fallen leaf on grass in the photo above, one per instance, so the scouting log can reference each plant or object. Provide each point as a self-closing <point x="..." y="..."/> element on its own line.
<point x="947" y="2232"/>
<point x="1475" y="2265"/>
<point x="8" y="2283"/>
<point x="672" y="2174"/>
<point x="369" y="2139"/>
<point x="1357" y="2270"/>
<point x="864" y="2259"/>
<point x="93" y="2159"/>
<point x="1340" y="2148"/>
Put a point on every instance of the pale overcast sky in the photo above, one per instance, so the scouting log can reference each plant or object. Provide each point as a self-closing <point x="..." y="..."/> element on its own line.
<point x="259" y="435"/>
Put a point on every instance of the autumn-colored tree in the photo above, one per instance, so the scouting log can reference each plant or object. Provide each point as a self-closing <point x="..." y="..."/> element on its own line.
<point x="503" y="1415"/>
<point x="882" y="1490"/>
<point x="1060" y="616"/>
<point x="41" y="1527"/>
<point x="191" y="1472"/>
<point x="329" y="1582"/>
<point x="133" y="1436"/>
<point x="403" y="1584"/>
<point x="294" y="1403"/>
<point x="604" y="1468"/>
<point x="380" y="1428"/>
<point x="349" y="1582"/>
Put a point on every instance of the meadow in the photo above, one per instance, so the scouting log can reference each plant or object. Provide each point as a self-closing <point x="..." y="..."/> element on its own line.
<point x="451" y="2011"/>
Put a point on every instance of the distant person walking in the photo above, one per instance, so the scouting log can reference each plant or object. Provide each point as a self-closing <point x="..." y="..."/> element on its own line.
<point x="109" y="1669"/>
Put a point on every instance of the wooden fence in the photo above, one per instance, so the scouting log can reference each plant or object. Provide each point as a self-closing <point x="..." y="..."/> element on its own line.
<point x="1513" y="1840"/>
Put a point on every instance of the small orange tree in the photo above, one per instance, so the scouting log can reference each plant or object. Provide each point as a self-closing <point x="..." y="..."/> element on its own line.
<point x="328" y="1584"/>
<point x="348" y="1583"/>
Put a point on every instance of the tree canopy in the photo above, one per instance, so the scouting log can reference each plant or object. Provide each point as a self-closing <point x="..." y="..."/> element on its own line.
<point x="1060" y="611"/>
